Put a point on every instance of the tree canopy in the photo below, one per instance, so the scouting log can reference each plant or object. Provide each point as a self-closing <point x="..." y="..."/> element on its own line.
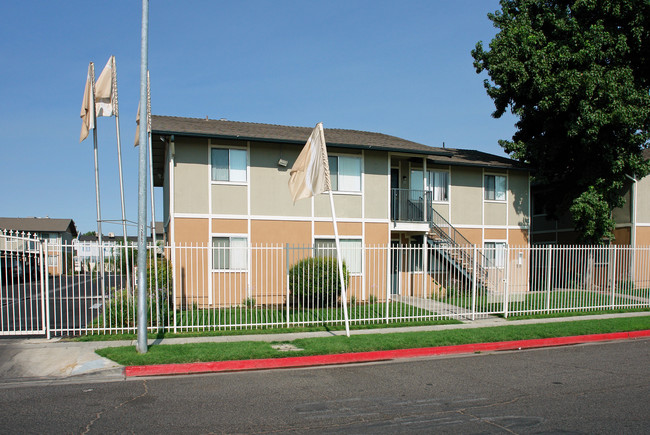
<point x="576" y="74"/>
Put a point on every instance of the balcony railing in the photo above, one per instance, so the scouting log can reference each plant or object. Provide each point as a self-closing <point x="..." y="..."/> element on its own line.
<point x="408" y="205"/>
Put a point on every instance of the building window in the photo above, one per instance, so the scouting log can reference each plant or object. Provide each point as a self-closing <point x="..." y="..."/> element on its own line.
<point x="495" y="253"/>
<point x="229" y="253"/>
<point x="438" y="184"/>
<point x="228" y="165"/>
<point x="350" y="251"/>
<point x="345" y="173"/>
<point x="495" y="187"/>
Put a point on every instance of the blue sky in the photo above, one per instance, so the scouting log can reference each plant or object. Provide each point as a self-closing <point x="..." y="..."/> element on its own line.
<point x="400" y="68"/>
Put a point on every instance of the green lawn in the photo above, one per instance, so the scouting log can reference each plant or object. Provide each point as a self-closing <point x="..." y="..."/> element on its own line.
<point x="204" y="352"/>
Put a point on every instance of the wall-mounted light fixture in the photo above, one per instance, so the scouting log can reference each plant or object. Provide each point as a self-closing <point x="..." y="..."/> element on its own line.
<point x="283" y="163"/>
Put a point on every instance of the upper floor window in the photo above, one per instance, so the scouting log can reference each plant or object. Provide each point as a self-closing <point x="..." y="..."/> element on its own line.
<point x="495" y="187"/>
<point x="228" y="165"/>
<point x="345" y="173"/>
<point x="438" y="184"/>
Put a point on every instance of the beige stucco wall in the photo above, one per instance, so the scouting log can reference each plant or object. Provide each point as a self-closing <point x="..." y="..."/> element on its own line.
<point x="229" y="199"/>
<point x="346" y="206"/>
<point x="466" y="195"/>
<point x="269" y="182"/>
<point x="643" y="200"/>
<point x="518" y="199"/>
<point x="442" y="209"/>
<point x="495" y="213"/>
<point x="376" y="184"/>
<point x="191" y="175"/>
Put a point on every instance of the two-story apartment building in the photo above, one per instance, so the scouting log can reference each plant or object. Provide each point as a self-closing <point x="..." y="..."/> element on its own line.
<point x="225" y="185"/>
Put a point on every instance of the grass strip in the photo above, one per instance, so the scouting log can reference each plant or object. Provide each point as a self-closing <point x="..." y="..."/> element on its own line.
<point x="270" y="330"/>
<point x="206" y="352"/>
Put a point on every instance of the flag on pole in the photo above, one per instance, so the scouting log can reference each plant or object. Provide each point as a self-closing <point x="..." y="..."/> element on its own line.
<point x="87" y="106"/>
<point x="310" y="175"/>
<point x="104" y="90"/>
<point x="137" y="117"/>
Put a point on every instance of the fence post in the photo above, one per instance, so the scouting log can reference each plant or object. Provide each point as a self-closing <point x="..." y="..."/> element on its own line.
<point x="474" y="285"/>
<point x="548" y="279"/>
<point x="613" y="274"/>
<point x="45" y="286"/>
<point x="506" y="290"/>
<point x="175" y="277"/>
<point x="286" y="265"/>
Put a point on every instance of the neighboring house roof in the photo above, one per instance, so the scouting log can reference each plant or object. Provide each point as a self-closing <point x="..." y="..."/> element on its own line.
<point x="216" y="128"/>
<point x="42" y="225"/>
<point x="160" y="230"/>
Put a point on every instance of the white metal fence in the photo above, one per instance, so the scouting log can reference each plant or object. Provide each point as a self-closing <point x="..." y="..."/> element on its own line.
<point x="225" y="286"/>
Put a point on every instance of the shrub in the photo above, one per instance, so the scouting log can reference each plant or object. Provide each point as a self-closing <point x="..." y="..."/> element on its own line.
<point x="314" y="282"/>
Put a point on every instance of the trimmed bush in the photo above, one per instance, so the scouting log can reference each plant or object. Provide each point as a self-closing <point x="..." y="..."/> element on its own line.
<point x="314" y="282"/>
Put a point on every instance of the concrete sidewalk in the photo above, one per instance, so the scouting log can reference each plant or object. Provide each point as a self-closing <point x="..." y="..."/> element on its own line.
<point x="49" y="361"/>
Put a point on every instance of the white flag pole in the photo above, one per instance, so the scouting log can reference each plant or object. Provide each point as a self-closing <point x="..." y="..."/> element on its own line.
<point x="119" y="165"/>
<point x="339" y="257"/>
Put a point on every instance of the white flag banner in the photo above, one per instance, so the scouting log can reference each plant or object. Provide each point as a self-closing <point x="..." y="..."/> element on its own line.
<point x="104" y="90"/>
<point x="137" y="117"/>
<point x="87" y="106"/>
<point x="310" y="174"/>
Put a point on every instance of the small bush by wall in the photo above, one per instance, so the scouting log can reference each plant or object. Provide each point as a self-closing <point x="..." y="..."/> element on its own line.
<point x="315" y="282"/>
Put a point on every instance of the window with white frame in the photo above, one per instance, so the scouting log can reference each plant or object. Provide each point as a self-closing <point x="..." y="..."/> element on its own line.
<point x="350" y="251"/>
<point x="345" y="173"/>
<point x="229" y="164"/>
<point x="438" y="184"/>
<point x="495" y="253"/>
<point x="229" y="253"/>
<point x="495" y="188"/>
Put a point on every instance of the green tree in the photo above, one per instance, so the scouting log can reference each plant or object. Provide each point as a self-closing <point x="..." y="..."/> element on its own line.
<point x="576" y="74"/>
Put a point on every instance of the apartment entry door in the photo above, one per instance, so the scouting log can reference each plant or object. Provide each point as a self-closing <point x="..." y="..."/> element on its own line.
<point x="395" y="263"/>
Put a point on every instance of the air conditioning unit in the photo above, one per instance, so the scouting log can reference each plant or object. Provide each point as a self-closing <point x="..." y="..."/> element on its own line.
<point x="111" y="235"/>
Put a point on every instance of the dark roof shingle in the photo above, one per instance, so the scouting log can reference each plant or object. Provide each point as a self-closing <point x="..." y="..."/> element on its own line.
<point x="32" y="224"/>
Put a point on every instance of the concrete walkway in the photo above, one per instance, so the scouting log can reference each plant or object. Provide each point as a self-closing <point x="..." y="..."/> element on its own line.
<point x="45" y="361"/>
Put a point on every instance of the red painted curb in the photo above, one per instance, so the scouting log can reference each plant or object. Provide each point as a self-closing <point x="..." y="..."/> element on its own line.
<point x="345" y="358"/>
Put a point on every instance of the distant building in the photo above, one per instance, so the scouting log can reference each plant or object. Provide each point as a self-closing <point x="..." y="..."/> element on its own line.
<point x="57" y="232"/>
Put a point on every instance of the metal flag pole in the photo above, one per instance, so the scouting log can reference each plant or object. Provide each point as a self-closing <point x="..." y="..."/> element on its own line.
<point x="339" y="257"/>
<point x="142" y="189"/>
<point x="99" y="209"/>
<point x="119" y="165"/>
<point x="153" y="205"/>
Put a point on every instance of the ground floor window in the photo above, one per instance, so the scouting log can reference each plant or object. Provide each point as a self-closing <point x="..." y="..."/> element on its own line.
<point x="350" y="251"/>
<point x="229" y="253"/>
<point x="495" y="253"/>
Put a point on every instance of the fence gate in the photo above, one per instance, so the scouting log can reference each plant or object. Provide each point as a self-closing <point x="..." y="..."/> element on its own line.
<point x="23" y="282"/>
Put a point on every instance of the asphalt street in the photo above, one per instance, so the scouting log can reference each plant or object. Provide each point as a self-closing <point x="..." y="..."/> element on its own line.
<point x="596" y="388"/>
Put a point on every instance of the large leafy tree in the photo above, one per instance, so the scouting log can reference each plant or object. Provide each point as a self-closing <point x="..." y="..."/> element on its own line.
<point x="576" y="74"/>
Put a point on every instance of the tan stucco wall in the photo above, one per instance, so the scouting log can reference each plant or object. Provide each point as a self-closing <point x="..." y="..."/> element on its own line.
<point x="269" y="182"/>
<point x="643" y="236"/>
<point x="474" y="235"/>
<point x="466" y="195"/>
<point x="345" y="229"/>
<point x="191" y="231"/>
<point x="495" y="234"/>
<point x="346" y="206"/>
<point x="281" y="232"/>
<point x="518" y="199"/>
<point x="518" y="237"/>
<point x="376" y="234"/>
<point x="191" y="175"/>
<point x="376" y="184"/>
<point x="495" y="213"/>
<point x="230" y="226"/>
<point x="229" y="199"/>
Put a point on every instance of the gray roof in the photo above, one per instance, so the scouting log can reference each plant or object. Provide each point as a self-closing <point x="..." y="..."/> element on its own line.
<point x="35" y="224"/>
<point x="217" y="128"/>
<point x="284" y="133"/>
